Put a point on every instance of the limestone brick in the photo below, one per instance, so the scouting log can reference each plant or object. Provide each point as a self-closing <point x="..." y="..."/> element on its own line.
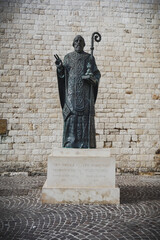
<point x="128" y="104"/>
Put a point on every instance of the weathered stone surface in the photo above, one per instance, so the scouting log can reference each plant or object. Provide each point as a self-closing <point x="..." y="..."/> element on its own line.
<point x="127" y="108"/>
<point x="80" y="176"/>
<point x="80" y="195"/>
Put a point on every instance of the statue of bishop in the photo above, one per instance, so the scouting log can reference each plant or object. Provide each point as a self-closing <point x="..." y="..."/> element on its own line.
<point x="78" y="79"/>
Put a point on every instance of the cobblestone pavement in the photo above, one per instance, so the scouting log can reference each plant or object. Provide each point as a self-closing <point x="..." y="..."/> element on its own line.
<point x="22" y="216"/>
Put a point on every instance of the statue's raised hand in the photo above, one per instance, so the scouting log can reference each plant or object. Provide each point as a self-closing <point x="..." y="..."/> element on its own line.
<point x="58" y="61"/>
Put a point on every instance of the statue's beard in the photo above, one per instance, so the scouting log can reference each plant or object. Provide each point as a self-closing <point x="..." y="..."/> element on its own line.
<point x="78" y="49"/>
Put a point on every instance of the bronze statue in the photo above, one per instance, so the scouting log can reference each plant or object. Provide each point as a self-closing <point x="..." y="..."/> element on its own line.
<point x="78" y="79"/>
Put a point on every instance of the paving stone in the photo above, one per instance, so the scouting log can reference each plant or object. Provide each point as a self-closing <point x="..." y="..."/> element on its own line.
<point x="23" y="217"/>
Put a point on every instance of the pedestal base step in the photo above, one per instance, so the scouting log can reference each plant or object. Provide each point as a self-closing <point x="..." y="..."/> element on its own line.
<point x="80" y="195"/>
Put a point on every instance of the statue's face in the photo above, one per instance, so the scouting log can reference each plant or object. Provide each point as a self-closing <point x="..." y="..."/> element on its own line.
<point x="78" y="44"/>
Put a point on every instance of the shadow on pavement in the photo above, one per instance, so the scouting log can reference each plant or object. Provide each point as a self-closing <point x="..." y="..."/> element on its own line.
<point x="135" y="194"/>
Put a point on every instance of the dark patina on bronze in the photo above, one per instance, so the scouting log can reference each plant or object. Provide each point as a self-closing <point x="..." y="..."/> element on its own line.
<point x="78" y="79"/>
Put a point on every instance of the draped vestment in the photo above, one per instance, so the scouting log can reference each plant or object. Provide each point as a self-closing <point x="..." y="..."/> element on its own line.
<point x="77" y="99"/>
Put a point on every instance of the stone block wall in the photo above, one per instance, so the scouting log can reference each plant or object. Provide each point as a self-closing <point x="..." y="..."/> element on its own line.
<point x="128" y="104"/>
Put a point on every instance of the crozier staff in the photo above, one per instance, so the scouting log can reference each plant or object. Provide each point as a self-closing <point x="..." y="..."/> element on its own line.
<point x="78" y="79"/>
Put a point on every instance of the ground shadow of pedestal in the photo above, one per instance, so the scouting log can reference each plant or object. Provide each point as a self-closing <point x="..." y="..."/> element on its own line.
<point x="135" y="194"/>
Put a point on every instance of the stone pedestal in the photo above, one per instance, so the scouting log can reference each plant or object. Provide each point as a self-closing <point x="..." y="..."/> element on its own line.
<point x="80" y="176"/>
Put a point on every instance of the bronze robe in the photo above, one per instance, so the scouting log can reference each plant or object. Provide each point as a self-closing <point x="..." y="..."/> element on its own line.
<point x="77" y="99"/>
